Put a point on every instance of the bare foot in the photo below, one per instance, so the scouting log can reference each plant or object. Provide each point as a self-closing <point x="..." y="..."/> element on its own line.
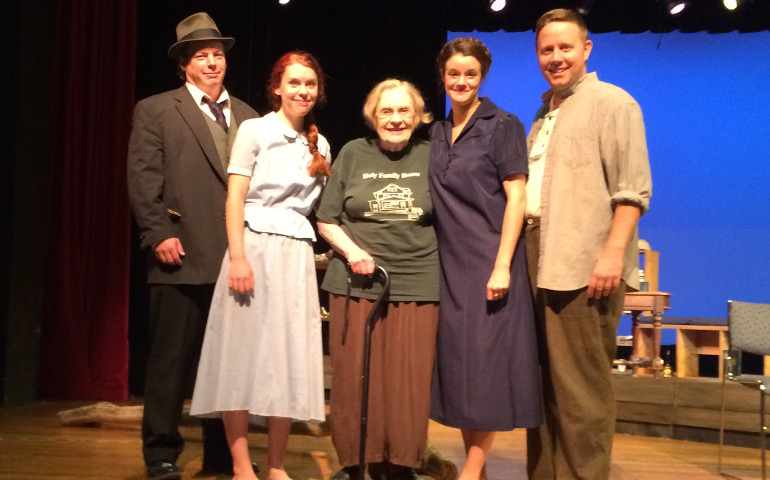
<point x="252" y="476"/>
<point x="277" y="474"/>
<point x="247" y="475"/>
<point x="473" y="476"/>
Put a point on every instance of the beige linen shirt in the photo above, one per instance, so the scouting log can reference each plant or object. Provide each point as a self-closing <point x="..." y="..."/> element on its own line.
<point x="597" y="159"/>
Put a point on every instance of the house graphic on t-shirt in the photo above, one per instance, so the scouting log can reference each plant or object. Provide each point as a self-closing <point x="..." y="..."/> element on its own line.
<point x="394" y="201"/>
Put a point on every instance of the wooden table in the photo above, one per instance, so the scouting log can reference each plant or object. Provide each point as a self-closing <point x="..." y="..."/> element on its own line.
<point x="656" y="303"/>
<point x="692" y="341"/>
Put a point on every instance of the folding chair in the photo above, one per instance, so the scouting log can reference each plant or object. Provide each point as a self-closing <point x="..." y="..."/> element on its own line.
<point x="748" y="331"/>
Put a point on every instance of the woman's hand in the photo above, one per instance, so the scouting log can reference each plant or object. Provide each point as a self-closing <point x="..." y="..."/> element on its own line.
<point x="360" y="262"/>
<point x="515" y="187"/>
<point x="240" y="277"/>
<point x="498" y="284"/>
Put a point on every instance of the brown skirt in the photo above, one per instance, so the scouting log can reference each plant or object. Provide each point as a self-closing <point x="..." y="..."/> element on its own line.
<point x="402" y="352"/>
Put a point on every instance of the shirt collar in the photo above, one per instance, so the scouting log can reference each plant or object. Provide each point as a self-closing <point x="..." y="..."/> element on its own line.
<point x="486" y="109"/>
<point x="286" y="130"/>
<point x="198" y="95"/>
<point x="569" y="91"/>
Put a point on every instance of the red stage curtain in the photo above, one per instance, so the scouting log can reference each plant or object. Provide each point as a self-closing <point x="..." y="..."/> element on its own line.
<point x="84" y="335"/>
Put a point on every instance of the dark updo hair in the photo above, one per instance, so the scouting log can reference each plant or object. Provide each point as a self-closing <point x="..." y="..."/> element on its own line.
<point x="318" y="165"/>
<point x="469" y="47"/>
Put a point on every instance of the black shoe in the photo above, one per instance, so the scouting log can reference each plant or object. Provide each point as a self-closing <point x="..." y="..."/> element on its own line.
<point x="214" y="471"/>
<point x="379" y="471"/>
<point x="347" y="473"/>
<point x="398" y="472"/>
<point x="161" y="470"/>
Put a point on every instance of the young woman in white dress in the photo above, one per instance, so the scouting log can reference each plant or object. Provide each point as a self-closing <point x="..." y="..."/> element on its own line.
<point x="261" y="359"/>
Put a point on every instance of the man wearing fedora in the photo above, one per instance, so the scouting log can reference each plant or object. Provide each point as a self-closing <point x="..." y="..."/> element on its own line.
<point x="177" y="181"/>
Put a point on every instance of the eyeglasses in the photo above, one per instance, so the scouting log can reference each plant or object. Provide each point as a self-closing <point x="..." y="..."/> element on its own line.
<point x="405" y="113"/>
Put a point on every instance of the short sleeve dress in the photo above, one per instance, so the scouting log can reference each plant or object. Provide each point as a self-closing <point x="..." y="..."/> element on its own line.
<point x="262" y="352"/>
<point x="486" y="370"/>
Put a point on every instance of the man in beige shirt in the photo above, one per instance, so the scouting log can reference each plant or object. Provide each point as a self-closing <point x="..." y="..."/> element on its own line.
<point x="589" y="183"/>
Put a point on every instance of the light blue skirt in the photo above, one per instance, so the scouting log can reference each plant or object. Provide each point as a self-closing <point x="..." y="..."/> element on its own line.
<point x="262" y="352"/>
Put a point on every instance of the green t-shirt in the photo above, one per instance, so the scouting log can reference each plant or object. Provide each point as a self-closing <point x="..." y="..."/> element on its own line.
<point x="381" y="201"/>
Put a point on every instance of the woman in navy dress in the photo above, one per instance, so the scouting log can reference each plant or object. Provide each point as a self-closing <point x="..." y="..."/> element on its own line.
<point x="485" y="376"/>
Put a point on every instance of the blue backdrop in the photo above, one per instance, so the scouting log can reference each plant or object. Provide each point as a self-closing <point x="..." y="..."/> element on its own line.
<point x="706" y="109"/>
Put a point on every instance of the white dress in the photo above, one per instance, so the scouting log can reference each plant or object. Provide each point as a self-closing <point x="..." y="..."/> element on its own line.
<point x="262" y="352"/>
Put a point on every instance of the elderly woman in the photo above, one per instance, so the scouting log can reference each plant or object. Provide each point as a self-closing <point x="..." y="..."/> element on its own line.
<point x="486" y="376"/>
<point x="376" y="209"/>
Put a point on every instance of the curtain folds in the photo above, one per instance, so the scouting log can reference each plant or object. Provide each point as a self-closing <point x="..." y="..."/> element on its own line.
<point x="84" y="334"/>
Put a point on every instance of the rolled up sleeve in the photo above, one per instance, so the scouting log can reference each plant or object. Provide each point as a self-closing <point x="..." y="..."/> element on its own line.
<point x="624" y="151"/>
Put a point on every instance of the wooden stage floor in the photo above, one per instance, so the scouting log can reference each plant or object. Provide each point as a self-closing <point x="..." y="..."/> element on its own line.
<point x="35" y="445"/>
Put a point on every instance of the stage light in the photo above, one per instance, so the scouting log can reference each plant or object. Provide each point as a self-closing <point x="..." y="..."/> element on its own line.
<point x="585" y="8"/>
<point x="496" y="5"/>
<point x="284" y="2"/>
<point x="731" y="4"/>
<point x="676" y="6"/>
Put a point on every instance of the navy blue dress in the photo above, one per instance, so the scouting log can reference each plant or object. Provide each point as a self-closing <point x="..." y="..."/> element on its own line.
<point x="486" y="371"/>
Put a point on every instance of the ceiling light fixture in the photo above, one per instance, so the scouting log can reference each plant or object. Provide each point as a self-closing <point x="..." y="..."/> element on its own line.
<point x="676" y="6"/>
<point x="585" y="8"/>
<point x="496" y="5"/>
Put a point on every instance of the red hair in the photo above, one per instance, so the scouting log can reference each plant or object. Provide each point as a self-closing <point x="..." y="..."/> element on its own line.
<point x="318" y="165"/>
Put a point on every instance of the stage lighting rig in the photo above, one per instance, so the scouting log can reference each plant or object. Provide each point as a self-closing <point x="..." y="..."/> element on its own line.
<point x="732" y="4"/>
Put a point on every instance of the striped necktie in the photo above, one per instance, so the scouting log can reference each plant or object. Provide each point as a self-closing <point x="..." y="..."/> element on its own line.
<point x="217" y="110"/>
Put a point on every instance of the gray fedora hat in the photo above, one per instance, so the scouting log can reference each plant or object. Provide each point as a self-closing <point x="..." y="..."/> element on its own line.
<point x="195" y="28"/>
